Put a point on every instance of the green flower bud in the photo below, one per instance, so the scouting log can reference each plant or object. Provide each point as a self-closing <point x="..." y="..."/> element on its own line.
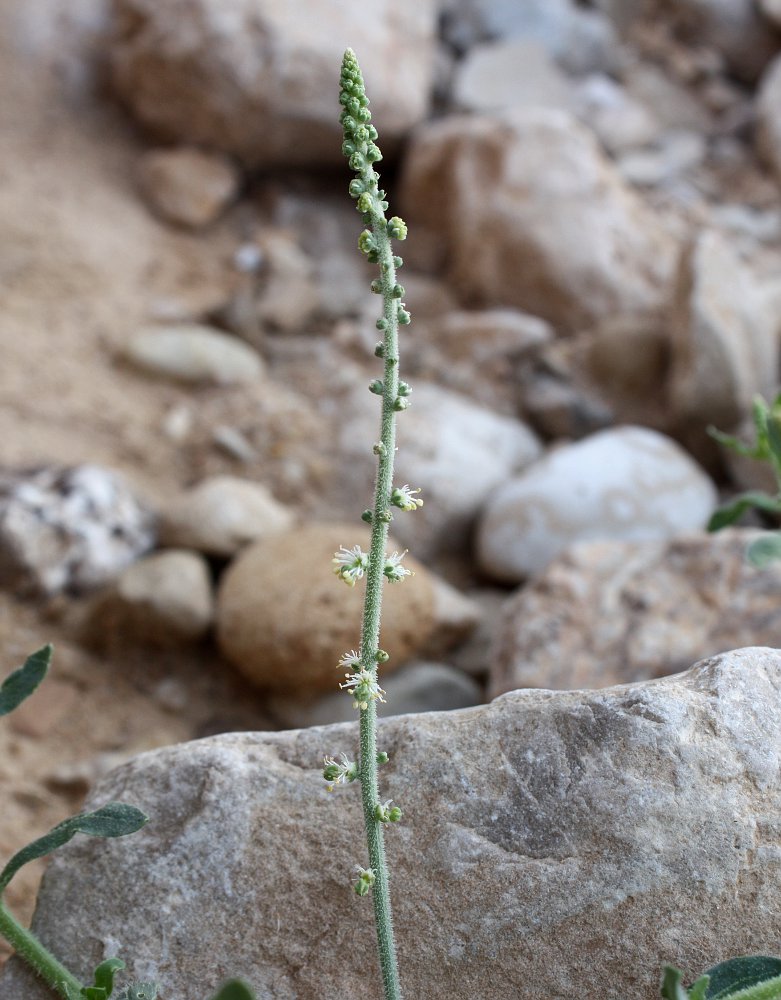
<point x="377" y="387"/>
<point x="398" y="291"/>
<point x="386" y="517"/>
<point x="365" y="202"/>
<point x="400" y="403"/>
<point x="366" y="241"/>
<point x="382" y="323"/>
<point x="367" y="516"/>
<point x="404" y="388"/>
<point x="364" y="881"/>
<point x="397" y="262"/>
<point x="394" y="814"/>
<point x="397" y="228"/>
<point x="404" y="317"/>
<point x="357" y="161"/>
<point x="379" y="350"/>
<point x="376" y="286"/>
<point x="381" y="656"/>
<point x="357" y="187"/>
<point x="382" y="757"/>
<point x="373" y="154"/>
<point x="378" y="448"/>
<point x="348" y="148"/>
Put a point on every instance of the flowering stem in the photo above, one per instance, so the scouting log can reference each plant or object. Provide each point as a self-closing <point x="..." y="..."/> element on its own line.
<point x="376" y="243"/>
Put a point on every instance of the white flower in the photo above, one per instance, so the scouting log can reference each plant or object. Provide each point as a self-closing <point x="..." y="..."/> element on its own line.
<point x="364" y="688"/>
<point x="404" y="498"/>
<point x="350" y="661"/>
<point x="350" y="564"/>
<point x="338" y="772"/>
<point x="393" y="569"/>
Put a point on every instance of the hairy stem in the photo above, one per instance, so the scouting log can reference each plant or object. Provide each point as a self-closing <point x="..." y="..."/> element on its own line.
<point x="370" y="628"/>
<point x="34" y="953"/>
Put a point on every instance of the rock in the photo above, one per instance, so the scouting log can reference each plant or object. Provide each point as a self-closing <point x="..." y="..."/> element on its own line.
<point x="725" y="349"/>
<point x="512" y="74"/>
<point x="772" y="11"/>
<point x="620" y="122"/>
<point x="163" y="600"/>
<point x="573" y="836"/>
<point x="188" y="186"/>
<point x="289" y="295"/>
<point x="189" y="352"/>
<point x="672" y="105"/>
<point x="456" y="617"/>
<point x="221" y="515"/>
<point x="256" y="79"/>
<point x="483" y="348"/>
<point x="581" y="41"/>
<point x="416" y="687"/>
<point x="284" y="619"/>
<point x="68" y="529"/>
<point x="768" y="111"/>
<point x="569" y="241"/>
<point x="626" y="483"/>
<point x="439" y="437"/>
<point x="608" y="613"/>
<point x="676" y="153"/>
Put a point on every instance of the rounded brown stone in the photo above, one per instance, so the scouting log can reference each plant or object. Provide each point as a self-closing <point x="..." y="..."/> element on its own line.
<point x="284" y="619"/>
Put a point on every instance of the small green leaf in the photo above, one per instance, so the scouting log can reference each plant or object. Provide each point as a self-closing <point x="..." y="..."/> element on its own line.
<point x="104" y="977"/>
<point x="113" y="820"/>
<point x="672" y="987"/>
<point x="699" y="989"/>
<point x="755" y="451"/>
<point x="22" y="682"/>
<point x="730" y="512"/>
<point x="94" y="993"/>
<point x="737" y="975"/>
<point x="764" y="550"/>
<point x="234" y="989"/>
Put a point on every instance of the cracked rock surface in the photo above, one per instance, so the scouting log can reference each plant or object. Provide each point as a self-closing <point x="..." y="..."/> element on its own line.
<point x="552" y="842"/>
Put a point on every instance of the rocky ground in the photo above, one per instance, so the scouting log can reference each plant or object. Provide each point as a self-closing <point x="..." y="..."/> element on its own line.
<point x="593" y="272"/>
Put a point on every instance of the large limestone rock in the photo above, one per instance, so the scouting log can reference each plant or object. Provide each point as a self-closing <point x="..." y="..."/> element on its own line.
<point x="625" y="483"/>
<point x="532" y="214"/>
<point x="614" y="612"/>
<point x="552" y="844"/>
<point x="258" y="78"/>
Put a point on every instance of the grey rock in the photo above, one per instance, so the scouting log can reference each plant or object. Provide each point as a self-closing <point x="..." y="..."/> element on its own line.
<point x="620" y="121"/>
<point x="768" y="108"/>
<point x="609" y="612"/>
<point x="164" y="599"/>
<point x="626" y="483"/>
<point x="562" y="841"/>
<point x="512" y="74"/>
<point x="68" y="529"/>
<point x="191" y="352"/>
<point x="415" y="687"/>
<point x="221" y="515"/>
<point x="256" y="78"/>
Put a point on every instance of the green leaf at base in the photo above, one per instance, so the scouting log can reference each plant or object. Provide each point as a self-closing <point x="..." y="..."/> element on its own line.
<point x="113" y="820"/>
<point x="234" y="989"/>
<point x="731" y="511"/>
<point x="22" y="682"/>
<point x="740" y="974"/>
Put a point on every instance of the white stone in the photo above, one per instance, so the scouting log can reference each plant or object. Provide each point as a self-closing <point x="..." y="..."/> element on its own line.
<point x="557" y="837"/>
<point x="70" y="529"/>
<point x="190" y="352"/>
<point x="626" y="483"/>
<point x="725" y="348"/>
<point x="187" y="186"/>
<point x="221" y="515"/>
<point x="453" y="450"/>
<point x="258" y="78"/>
<point x="164" y="599"/>
<point x="513" y="74"/>
<point x="569" y="241"/>
<point x="620" y="121"/>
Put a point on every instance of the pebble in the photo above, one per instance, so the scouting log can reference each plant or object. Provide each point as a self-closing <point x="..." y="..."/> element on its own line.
<point x="221" y="515"/>
<point x="194" y="353"/>
<point x="188" y="187"/>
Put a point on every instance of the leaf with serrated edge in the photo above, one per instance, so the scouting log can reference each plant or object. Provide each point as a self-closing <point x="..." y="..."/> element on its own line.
<point x="113" y="820"/>
<point x="22" y="682"/>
